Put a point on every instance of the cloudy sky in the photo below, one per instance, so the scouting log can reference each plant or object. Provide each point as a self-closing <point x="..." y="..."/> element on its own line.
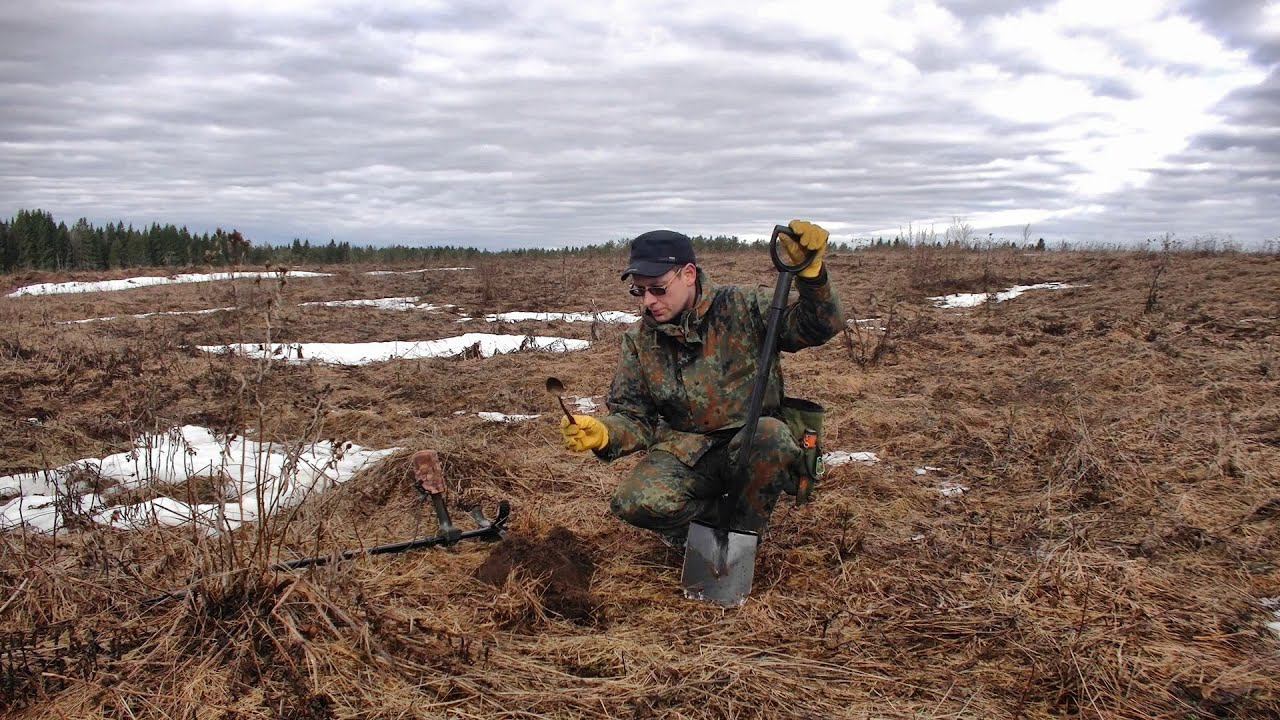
<point x="558" y="123"/>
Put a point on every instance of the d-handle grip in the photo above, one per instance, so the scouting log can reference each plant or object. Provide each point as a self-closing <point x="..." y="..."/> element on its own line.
<point x="778" y="262"/>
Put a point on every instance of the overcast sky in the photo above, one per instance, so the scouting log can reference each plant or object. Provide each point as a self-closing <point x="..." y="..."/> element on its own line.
<point x="502" y="124"/>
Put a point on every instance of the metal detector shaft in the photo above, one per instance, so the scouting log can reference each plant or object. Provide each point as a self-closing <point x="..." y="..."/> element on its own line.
<point x="487" y="530"/>
<point x="491" y="531"/>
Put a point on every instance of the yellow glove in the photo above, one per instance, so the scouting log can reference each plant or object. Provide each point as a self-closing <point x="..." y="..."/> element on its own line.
<point x="812" y="237"/>
<point x="588" y="434"/>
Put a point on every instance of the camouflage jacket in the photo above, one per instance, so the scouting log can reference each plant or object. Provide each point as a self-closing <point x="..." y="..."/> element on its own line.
<point x="677" y="382"/>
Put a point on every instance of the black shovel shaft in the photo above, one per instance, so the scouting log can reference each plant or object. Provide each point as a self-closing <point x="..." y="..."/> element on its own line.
<point x="764" y="363"/>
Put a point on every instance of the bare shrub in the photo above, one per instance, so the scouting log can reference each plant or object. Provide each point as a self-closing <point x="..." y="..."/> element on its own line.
<point x="1167" y="247"/>
<point x="871" y="340"/>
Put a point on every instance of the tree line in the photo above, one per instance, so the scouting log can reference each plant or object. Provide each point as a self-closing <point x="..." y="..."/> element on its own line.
<point x="34" y="240"/>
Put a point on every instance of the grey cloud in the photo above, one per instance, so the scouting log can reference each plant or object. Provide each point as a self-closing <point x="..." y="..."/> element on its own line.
<point x="333" y="137"/>
<point x="1238" y="23"/>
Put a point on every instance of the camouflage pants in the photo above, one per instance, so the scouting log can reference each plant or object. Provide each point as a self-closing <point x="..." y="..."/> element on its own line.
<point x="663" y="494"/>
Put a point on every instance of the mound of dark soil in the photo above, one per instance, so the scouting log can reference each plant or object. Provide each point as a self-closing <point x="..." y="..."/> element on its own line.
<point x="561" y="564"/>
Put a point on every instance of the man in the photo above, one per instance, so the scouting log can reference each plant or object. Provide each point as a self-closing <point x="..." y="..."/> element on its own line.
<point x="683" y="383"/>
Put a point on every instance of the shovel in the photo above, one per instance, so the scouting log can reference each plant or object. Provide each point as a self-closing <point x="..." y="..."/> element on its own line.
<point x="719" y="561"/>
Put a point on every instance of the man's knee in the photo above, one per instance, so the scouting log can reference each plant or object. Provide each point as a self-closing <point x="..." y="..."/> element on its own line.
<point x="773" y="442"/>
<point x="649" y="498"/>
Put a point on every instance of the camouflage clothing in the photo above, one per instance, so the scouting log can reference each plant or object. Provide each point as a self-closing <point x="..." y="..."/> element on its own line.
<point x="681" y="391"/>
<point x="663" y="494"/>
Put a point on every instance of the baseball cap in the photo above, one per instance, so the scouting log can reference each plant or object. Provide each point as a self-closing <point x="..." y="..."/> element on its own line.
<point x="657" y="251"/>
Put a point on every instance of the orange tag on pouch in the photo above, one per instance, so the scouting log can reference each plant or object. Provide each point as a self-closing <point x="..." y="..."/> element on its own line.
<point x="810" y="440"/>
<point x="427" y="471"/>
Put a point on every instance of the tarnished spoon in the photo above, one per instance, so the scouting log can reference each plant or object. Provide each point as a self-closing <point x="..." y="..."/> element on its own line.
<point x="555" y="387"/>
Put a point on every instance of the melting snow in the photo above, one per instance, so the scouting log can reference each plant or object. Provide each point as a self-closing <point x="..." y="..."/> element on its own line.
<point x="371" y="352"/>
<point x="841" y="457"/>
<point x="249" y="477"/>
<point x="1272" y="604"/>
<point x="504" y="418"/>
<point x="139" y="316"/>
<point x="968" y="300"/>
<point x="927" y="469"/>
<point x="147" y="281"/>
<point x="608" y="316"/>
<point x="392" y="303"/>
<point x="585" y="405"/>
<point x="952" y="489"/>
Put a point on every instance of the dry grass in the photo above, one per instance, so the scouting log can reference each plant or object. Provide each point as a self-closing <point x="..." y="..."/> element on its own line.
<point x="1108" y="559"/>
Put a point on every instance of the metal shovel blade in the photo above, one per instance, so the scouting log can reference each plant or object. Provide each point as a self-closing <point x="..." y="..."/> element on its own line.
<point x="719" y="565"/>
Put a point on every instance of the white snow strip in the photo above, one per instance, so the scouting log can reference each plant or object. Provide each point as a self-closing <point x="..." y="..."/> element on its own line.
<point x="968" y="300"/>
<point x="927" y="469"/>
<point x="952" y="489"/>
<point x="585" y="405"/>
<point x="608" y="316"/>
<point x="250" y="476"/>
<point x="371" y="352"/>
<point x="411" y="272"/>
<point x="498" y="417"/>
<point x="391" y="303"/>
<point x="139" y="316"/>
<point x="837" y="458"/>
<point x="1272" y="604"/>
<point x="147" y="281"/>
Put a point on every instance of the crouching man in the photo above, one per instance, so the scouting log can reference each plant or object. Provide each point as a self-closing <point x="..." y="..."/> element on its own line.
<point x="684" y="379"/>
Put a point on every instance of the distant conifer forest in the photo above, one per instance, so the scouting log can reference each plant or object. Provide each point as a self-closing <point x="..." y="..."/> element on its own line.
<point x="35" y="240"/>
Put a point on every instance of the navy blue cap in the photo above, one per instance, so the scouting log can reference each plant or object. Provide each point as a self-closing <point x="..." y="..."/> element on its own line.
<point x="657" y="251"/>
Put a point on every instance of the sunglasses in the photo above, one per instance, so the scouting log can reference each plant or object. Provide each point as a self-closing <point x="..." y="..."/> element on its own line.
<point x="657" y="290"/>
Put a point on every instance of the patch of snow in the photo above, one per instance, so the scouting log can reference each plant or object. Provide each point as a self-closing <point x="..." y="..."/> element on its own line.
<point x="837" y="458"/>
<point x="148" y="281"/>
<point x="1272" y="604"/>
<point x="250" y="476"/>
<point x="585" y="405"/>
<point x="968" y="300"/>
<point x="952" y="489"/>
<point x="498" y="417"/>
<point x="927" y="469"/>
<point x="371" y="352"/>
<point x="139" y="316"/>
<point x="392" y="303"/>
<point x="607" y="316"/>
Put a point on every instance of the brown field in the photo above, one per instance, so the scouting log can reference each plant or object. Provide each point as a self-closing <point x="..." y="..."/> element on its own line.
<point x="1110" y="558"/>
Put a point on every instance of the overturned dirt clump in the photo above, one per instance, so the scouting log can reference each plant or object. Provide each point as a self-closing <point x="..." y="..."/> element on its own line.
<point x="560" y="565"/>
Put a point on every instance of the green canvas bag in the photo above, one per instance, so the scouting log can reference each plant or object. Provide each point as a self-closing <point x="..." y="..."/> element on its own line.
<point x="804" y="419"/>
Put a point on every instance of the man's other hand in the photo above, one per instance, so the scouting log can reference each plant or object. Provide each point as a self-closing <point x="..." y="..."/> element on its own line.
<point x="812" y="237"/>
<point x="588" y="434"/>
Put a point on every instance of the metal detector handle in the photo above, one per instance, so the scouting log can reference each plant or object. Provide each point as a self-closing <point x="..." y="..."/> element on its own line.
<point x="778" y="263"/>
<point x="448" y="533"/>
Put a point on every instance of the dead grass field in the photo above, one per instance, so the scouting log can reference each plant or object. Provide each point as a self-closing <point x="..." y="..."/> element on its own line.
<point x="1110" y="558"/>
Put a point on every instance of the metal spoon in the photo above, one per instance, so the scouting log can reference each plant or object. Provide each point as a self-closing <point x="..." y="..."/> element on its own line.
<point x="555" y="387"/>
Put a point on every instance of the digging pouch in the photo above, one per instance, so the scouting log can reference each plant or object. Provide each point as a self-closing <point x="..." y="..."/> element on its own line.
<point x="804" y="419"/>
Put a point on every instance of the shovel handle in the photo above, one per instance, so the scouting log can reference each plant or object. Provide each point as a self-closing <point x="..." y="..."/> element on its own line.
<point x="782" y="266"/>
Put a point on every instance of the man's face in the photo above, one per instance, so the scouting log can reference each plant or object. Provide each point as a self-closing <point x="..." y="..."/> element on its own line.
<point x="681" y="286"/>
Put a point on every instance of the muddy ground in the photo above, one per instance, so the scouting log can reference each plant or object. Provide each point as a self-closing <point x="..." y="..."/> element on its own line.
<point x="1113" y="555"/>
